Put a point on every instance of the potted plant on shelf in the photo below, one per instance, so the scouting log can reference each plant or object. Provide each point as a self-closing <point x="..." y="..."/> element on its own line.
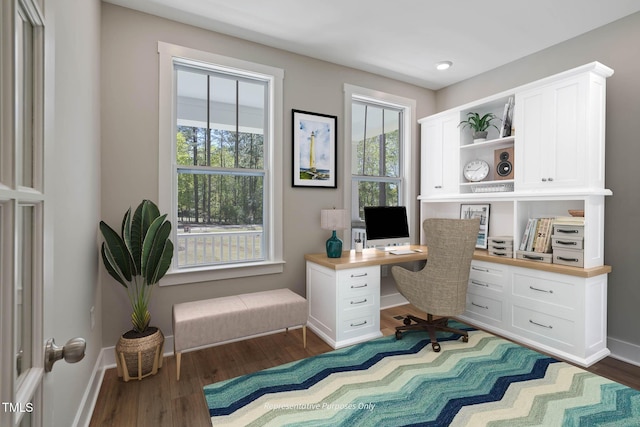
<point x="138" y="258"/>
<point x="479" y="125"/>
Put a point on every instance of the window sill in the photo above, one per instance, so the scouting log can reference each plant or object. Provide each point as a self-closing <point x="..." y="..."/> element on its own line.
<point x="207" y="274"/>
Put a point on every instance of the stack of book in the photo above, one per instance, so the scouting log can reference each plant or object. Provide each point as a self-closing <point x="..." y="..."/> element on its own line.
<point x="537" y="235"/>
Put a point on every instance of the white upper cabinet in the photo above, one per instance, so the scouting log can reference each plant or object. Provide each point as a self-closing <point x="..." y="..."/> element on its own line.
<point x="439" y="154"/>
<point x="560" y="134"/>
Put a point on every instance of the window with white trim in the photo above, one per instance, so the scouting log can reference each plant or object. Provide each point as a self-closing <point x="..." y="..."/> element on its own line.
<point x="224" y="143"/>
<point x="380" y="131"/>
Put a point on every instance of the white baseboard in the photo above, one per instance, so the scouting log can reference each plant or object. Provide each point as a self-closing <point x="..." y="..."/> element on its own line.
<point x="625" y="351"/>
<point x="90" y="397"/>
<point x="392" y="300"/>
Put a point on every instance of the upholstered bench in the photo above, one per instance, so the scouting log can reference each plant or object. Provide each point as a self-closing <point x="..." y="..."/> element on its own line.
<point x="203" y="323"/>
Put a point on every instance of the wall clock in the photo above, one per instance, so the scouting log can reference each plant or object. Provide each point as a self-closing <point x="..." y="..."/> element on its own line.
<point x="476" y="170"/>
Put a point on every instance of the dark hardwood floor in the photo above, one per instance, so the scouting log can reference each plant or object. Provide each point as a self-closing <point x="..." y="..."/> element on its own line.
<point x="161" y="401"/>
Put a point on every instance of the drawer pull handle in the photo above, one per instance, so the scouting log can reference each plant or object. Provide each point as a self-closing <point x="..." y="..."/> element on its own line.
<point x="359" y="324"/>
<point x="499" y="241"/>
<point x="537" y="258"/>
<point x="550" y="291"/>
<point x="560" y="230"/>
<point x="475" y="282"/>
<point x="480" y="306"/>
<point x="358" y="287"/>
<point x="484" y="270"/>
<point x="360" y="275"/>
<point x="561" y="258"/>
<point x="358" y="302"/>
<point x="564" y="242"/>
<point x="500" y="248"/>
<point x="540" y="324"/>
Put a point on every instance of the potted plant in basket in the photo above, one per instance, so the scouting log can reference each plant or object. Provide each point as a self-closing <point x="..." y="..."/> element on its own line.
<point x="138" y="258"/>
<point x="479" y="125"/>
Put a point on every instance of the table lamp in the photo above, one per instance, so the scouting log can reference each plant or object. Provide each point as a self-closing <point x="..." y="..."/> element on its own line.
<point x="333" y="219"/>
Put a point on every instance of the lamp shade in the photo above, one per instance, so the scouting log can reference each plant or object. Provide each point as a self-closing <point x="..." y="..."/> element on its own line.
<point x="333" y="219"/>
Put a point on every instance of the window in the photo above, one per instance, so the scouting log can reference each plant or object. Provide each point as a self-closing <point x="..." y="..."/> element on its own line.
<point x="376" y="159"/>
<point x="379" y="153"/>
<point x="221" y="143"/>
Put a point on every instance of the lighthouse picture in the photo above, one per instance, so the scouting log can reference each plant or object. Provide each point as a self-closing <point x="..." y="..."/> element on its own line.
<point x="314" y="153"/>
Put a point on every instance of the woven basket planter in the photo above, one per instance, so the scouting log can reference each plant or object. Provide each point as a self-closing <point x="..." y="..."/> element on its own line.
<point x="139" y="357"/>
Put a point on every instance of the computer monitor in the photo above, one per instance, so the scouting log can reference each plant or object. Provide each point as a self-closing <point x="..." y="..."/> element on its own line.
<point x="386" y="226"/>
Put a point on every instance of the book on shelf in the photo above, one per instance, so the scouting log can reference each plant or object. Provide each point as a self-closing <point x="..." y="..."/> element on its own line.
<point x="537" y="235"/>
<point x="569" y="220"/>
<point x="507" y="117"/>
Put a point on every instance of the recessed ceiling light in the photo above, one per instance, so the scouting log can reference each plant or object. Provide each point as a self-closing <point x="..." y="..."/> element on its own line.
<point x="443" y="65"/>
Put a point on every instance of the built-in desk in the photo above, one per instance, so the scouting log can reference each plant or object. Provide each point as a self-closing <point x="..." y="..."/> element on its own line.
<point x="557" y="309"/>
<point x="344" y="293"/>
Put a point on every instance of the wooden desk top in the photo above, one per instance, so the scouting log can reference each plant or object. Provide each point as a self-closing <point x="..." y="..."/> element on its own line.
<point x="372" y="257"/>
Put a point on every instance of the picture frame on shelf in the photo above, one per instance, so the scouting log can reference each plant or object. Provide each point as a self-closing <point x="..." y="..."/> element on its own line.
<point x="314" y="150"/>
<point x="471" y="211"/>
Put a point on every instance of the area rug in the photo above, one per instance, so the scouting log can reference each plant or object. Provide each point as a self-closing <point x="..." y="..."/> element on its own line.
<point x="488" y="381"/>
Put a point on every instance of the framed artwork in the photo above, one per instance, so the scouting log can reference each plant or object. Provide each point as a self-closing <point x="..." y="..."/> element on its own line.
<point x="482" y="212"/>
<point x="314" y="150"/>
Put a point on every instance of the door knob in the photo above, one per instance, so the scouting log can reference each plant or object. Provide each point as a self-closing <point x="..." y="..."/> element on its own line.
<point x="72" y="352"/>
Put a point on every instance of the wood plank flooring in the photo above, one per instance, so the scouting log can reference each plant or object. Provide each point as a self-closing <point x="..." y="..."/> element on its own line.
<point x="161" y="401"/>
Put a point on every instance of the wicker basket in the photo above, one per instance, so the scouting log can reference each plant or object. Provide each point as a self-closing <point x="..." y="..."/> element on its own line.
<point x="139" y="357"/>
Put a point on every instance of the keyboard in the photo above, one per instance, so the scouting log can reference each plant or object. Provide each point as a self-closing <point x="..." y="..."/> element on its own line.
<point x="403" y="252"/>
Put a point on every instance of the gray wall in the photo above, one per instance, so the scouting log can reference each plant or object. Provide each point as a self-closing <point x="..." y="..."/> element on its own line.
<point x="615" y="45"/>
<point x="130" y="145"/>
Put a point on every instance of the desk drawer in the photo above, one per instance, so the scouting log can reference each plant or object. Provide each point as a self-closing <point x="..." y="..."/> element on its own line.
<point x="358" y="324"/>
<point x="359" y="281"/>
<point x="487" y="275"/>
<point x="365" y="300"/>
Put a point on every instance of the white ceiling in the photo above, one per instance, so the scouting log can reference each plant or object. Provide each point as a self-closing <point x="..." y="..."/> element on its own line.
<point x="401" y="39"/>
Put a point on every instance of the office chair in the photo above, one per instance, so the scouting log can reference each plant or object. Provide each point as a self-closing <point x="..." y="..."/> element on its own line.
<point x="440" y="288"/>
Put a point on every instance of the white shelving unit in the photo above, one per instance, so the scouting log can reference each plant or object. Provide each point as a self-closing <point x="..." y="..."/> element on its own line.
<point x="558" y="165"/>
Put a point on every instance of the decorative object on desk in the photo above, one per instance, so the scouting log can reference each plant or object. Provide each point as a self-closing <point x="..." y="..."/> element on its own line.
<point x="314" y="150"/>
<point x="359" y="246"/>
<point x="503" y="161"/>
<point x="482" y="212"/>
<point x="479" y="125"/>
<point x="333" y="219"/>
<point x="476" y="170"/>
<point x="138" y="259"/>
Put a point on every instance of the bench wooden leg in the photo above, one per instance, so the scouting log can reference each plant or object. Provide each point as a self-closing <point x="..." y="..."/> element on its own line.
<point x="304" y="335"/>
<point x="178" y="360"/>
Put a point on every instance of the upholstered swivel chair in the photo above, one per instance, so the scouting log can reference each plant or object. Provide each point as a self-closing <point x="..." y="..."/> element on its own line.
<point x="440" y="288"/>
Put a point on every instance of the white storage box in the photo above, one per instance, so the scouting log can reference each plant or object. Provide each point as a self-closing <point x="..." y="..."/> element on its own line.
<point x="568" y="230"/>
<point x="534" y="256"/>
<point x="562" y="242"/>
<point x="574" y="258"/>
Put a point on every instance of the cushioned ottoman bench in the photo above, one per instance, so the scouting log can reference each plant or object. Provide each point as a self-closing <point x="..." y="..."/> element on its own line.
<point x="203" y="323"/>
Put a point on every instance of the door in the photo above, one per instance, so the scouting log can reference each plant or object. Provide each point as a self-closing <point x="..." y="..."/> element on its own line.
<point x="22" y="208"/>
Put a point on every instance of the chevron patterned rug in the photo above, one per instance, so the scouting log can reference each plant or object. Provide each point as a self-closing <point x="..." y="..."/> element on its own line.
<point x="486" y="382"/>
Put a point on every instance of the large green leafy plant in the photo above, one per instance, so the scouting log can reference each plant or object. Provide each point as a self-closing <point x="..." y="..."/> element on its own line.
<point x="478" y="123"/>
<point x="139" y="256"/>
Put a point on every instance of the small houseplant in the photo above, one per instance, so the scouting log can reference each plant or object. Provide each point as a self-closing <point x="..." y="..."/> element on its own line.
<point x="138" y="258"/>
<point x="479" y="125"/>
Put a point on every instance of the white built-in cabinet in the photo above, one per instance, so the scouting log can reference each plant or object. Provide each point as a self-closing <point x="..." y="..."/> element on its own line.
<point x="558" y="147"/>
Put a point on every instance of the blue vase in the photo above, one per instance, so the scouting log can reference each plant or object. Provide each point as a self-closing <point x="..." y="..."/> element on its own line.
<point x="334" y="246"/>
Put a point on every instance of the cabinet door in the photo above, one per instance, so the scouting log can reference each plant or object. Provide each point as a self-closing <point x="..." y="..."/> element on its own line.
<point x="551" y="136"/>
<point x="440" y="139"/>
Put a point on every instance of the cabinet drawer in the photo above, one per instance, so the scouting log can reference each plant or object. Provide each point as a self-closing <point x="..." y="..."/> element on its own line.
<point x="358" y="301"/>
<point x="574" y="258"/>
<point x="544" y="327"/>
<point x="544" y="290"/>
<point x="359" y="281"/>
<point x="488" y="275"/>
<point x="359" y="324"/>
<point x="484" y="306"/>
